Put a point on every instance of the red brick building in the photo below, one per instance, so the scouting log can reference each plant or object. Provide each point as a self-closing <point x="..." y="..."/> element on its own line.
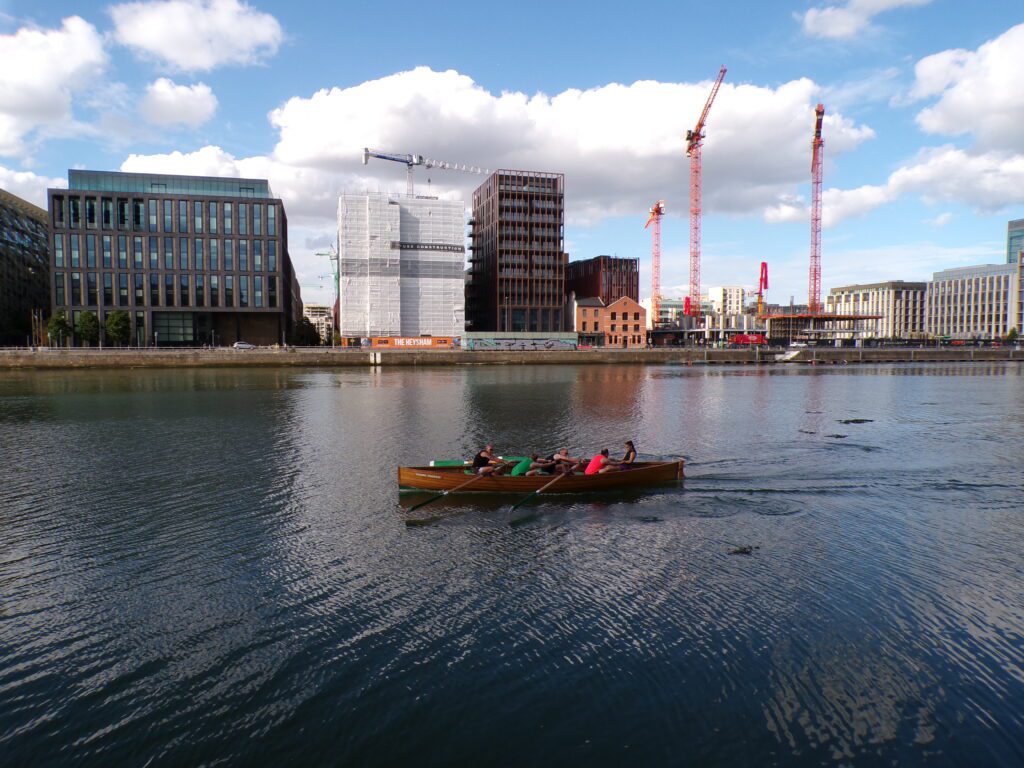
<point x="607" y="277"/>
<point x="622" y="323"/>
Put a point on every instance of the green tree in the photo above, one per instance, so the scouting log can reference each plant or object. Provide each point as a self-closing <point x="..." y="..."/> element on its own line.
<point x="305" y="334"/>
<point x="1011" y="337"/>
<point x="58" y="328"/>
<point x="119" y="327"/>
<point x="87" y="328"/>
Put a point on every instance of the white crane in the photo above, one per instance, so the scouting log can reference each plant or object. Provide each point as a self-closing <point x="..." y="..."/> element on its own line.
<point x="411" y="161"/>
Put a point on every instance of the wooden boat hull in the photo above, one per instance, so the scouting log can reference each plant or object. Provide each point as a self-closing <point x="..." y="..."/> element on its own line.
<point x="446" y="478"/>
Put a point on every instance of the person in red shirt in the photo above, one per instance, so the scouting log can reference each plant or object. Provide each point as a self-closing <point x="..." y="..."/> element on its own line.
<point x="597" y="463"/>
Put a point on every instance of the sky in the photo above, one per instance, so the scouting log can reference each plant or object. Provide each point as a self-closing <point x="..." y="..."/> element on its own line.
<point x="924" y="126"/>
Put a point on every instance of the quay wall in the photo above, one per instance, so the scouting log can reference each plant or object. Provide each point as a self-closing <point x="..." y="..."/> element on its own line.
<point x="326" y="358"/>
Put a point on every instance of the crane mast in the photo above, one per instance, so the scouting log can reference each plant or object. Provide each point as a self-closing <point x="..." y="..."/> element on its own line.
<point x="814" y="278"/>
<point x="694" y="142"/>
<point x="411" y="161"/>
<point x="656" y="212"/>
<point x="762" y="286"/>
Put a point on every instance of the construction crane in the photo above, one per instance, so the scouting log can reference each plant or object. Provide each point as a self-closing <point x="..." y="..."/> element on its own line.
<point x="762" y="286"/>
<point x="694" y="141"/>
<point x="814" y="278"/>
<point x="656" y="212"/>
<point x="411" y="161"/>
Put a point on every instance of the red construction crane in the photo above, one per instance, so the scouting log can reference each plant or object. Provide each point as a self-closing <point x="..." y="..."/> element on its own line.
<point x="657" y="211"/>
<point x="694" y="141"/>
<point x="762" y="286"/>
<point x="814" y="279"/>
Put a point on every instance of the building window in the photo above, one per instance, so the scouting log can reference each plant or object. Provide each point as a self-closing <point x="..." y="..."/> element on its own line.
<point x="584" y="326"/>
<point x="272" y="291"/>
<point x="182" y="216"/>
<point x="137" y="254"/>
<point x="90" y="212"/>
<point x="183" y="290"/>
<point x="271" y="219"/>
<point x="213" y="218"/>
<point x="154" y="290"/>
<point x="140" y="329"/>
<point x="107" y="258"/>
<point x="90" y="251"/>
<point x="138" y="214"/>
<point x="214" y="255"/>
<point x="76" y="258"/>
<point x="153" y="215"/>
<point x="243" y="219"/>
<point x="183" y="253"/>
<point x="168" y="253"/>
<point x="122" y="252"/>
<point x="257" y="219"/>
<point x="59" y="284"/>
<point x="227" y="218"/>
<point x="122" y="289"/>
<point x="229" y="291"/>
<point x="257" y="255"/>
<point x="200" y="291"/>
<point x="243" y="291"/>
<point x="198" y="215"/>
<point x="122" y="213"/>
<point x="636" y="327"/>
<point x="257" y="292"/>
<point x="168" y="290"/>
<point x="613" y="317"/>
<point x="140" y="291"/>
<point x="75" y="204"/>
<point x="636" y="315"/>
<point x="154" y="253"/>
<point x="613" y="324"/>
<point x="214" y="290"/>
<point x="76" y="289"/>
<point x="168" y="216"/>
<point x="108" y="289"/>
<point x="57" y="202"/>
<point x="229" y="255"/>
<point x="58" y="250"/>
<point x="198" y="254"/>
<point x="243" y="255"/>
<point x="272" y="255"/>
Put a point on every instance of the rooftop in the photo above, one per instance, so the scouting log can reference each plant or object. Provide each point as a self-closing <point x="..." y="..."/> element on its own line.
<point x="167" y="184"/>
<point x="981" y="270"/>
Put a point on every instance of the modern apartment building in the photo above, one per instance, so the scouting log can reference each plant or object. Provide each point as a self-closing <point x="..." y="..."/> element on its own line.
<point x="401" y="262"/>
<point x="609" y="278"/>
<point x="1014" y="240"/>
<point x="974" y="302"/>
<point x="727" y="299"/>
<point x="518" y="265"/>
<point x="24" y="267"/>
<point x="322" y="318"/>
<point x="193" y="260"/>
<point x="900" y="306"/>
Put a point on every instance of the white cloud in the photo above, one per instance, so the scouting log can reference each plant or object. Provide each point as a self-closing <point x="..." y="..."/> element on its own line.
<point x="194" y="35"/>
<point x="850" y="19"/>
<point x="167" y="103"/>
<point x="941" y="220"/>
<point x="28" y="186"/>
<point x="979" y="92"/>
<point x="41" y="70"/>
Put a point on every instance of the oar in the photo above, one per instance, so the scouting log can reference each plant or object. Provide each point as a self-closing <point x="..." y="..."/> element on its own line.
<point x="520" y="503"/>
<point x="445" y="493"/>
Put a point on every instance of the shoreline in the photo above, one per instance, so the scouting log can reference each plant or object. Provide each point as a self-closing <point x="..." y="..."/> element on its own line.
<point x="58" y="359"/>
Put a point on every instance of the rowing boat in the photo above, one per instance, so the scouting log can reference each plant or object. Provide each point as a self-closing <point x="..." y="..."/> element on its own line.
<point x="642" y="473"/>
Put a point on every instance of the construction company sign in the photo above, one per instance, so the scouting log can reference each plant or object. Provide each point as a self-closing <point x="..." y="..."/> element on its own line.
<point x="410" y="342"/>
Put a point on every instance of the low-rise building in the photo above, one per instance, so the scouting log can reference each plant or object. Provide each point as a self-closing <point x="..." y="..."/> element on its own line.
<point x="726" y="299"/>
<point x="979" y="302"/>
<point x="622" y="323"/>
<point x="898" y="305"/>
<point x="24" y="268"/>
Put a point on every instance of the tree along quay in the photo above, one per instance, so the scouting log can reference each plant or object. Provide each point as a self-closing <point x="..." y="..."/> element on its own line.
<point x="329" y="358"/>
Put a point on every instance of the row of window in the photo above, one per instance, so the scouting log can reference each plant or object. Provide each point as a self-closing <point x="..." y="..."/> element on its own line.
<point x="163" y="253"/>
<point x="614" y="327"/>
<point x="77" y="289"/>
<point x="155" y="215"/>
<point x="625" y="315"/>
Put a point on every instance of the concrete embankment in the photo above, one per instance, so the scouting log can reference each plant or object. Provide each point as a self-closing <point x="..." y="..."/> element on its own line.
<point x="317" y="358"/>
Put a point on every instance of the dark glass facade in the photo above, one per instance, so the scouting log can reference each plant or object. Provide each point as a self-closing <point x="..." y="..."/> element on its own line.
<point x="24" y="267"/>
<point x="517" y="269"/>
<point x="162" y="246"/>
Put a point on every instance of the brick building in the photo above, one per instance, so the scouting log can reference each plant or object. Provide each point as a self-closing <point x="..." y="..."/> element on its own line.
<point x="607" y="277"/>
<point x="623" y="323"/>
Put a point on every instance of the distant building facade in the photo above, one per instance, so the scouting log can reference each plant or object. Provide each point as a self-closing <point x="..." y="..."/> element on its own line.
<point x="979" y="302"/>
<point x="24" y="267"/>
<point x="401" y="262"/>
<point x="899" y="304"/>
<point x="622" y="323"/>
<point x="322" y="318"/>
<point x="670" y="311"/>
<point x="1014" y="240"/>
<point x="727" y="299"/>
<point x="607" y="277"/>
<point x="193" y="260"/>
<point x="518" y="263"/>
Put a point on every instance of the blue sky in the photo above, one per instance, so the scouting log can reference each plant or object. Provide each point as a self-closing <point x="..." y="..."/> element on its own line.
<point x="924" y="156"/>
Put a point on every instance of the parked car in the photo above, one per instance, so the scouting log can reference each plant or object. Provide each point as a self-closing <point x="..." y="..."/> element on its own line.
<point x="243" y="345"/>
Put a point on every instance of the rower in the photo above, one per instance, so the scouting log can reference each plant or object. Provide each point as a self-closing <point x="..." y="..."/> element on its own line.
<point x="484" y="462"/>
<point x="597" y="463"/>
<point x="564" y="463"/>
<point x="625" y="462"/>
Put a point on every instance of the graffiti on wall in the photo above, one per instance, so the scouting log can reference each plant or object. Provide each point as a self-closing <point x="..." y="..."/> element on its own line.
<point x="505" y="345"/>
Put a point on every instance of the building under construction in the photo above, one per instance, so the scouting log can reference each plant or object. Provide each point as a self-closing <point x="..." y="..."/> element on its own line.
<point x="400" y="266"/>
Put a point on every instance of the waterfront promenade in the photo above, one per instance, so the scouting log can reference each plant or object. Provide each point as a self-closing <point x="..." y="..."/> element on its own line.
<point x="331" y="358"/>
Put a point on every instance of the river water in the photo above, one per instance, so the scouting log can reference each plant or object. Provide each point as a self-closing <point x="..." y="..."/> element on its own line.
<point x="212" y="567"/>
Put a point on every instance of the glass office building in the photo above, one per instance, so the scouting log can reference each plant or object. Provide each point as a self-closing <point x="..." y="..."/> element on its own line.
<point x="193" y="260"/>
<point x="23" y="267"/>
<point x="1014" y="240"/>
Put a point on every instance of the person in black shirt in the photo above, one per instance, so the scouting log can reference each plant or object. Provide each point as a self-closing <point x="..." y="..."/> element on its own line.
<point x="484" y="462"/>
